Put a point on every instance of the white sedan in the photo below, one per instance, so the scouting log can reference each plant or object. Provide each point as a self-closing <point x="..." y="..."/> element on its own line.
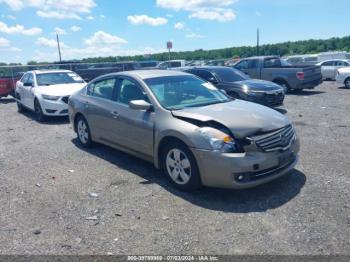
<point x="329" y="67"/>
<point x="343" y="76"/>
<point x="46" y="92"/>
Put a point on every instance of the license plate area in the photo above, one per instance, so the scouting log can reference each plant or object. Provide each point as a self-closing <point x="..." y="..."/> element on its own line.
<point x="286" y="157"/>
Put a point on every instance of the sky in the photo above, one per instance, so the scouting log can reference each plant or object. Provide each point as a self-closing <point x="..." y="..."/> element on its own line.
<point x="91" y="28"/>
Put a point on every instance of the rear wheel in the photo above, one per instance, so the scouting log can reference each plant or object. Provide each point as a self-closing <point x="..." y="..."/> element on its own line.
<point x="40" y="117"/>
<point x="180" y="166"/>
<point x="285" y="86"/>
<point x="83" y="132"/>
<point x="347" y="82"/>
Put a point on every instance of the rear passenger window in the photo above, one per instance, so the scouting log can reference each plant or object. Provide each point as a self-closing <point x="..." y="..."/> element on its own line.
<point x="272" y="62"/>
<point x="242" y="65"/>
<point x="103" y="88"/>
<point x="207" y="76"/>
<point x="329" y="63"/>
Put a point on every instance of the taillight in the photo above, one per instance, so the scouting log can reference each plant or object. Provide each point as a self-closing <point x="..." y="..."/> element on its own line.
<point x="301" y="75"/>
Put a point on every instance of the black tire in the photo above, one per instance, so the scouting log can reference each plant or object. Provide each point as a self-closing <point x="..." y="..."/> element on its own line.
<point x="39" y="115"/>
<point x="194" y="181"/>
<point x="20" y="107"/>
<point x="347" y="83"/>
<point x="285" y="86"/>
<point x="84" y="141"/>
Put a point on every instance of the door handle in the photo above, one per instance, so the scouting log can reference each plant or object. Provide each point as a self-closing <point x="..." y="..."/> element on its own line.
<point x="86" y="103"/>
<point x="115" y="114"/>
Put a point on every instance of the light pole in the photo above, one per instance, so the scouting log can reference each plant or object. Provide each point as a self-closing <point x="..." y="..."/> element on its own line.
<point x="58" y="46"/>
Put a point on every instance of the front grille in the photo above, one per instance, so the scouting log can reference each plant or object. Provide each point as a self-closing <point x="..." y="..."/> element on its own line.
<point x="280" y="139"/>
<point x="274" y="99"/>
<point x="65" y="99"/>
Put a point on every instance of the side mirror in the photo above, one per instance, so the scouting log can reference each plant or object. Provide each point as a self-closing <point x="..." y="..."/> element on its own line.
<point x="140" y="105"/>
<point x="28" y="84"/>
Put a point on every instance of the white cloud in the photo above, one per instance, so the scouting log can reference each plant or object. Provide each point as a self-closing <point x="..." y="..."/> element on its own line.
<point x="43" y="41"/>
<point x="11" y="17"/>
<point x="169" y="15"/>
<point x="102" y="16"/>
<point x="59" y="31"/>
<point x="194" y="35"/>
<point x="15" y="49"/>
<point x="103" y="38"/>
<point x="19" y="29"/>
<point x="90" y="17"/>
<point x="179" y="25"/>
<point x="58" y="15"/>
<point x="144" y="19"/>
<point x="4" y="42"/>
<point x="75" y="28"/>
<point x="216" y="10"/>
<point x="61" y="9"/>
<point x="218" y="14"/>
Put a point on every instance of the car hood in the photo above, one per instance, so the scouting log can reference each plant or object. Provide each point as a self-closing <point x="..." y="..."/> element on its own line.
<point x="241" y="117"/>
<point x="60" y="90"/>
<point x="258" y="85"/>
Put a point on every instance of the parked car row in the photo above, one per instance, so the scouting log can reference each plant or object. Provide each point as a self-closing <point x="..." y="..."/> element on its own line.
<point x="195" y="132"/>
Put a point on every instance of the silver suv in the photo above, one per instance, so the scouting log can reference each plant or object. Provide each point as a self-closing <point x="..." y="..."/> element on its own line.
<point x="187" y="127"/>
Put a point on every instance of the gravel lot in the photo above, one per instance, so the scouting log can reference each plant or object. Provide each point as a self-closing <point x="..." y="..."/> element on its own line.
<point x="46" y="178"/>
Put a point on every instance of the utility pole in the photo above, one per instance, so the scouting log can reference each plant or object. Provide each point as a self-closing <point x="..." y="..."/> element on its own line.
<point x="257" y="42"/>
<point x="58" y="46"/>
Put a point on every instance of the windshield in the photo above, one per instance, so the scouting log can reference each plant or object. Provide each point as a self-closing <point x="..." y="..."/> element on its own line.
<point x="178" y="92"/>
<point x="58" y="78"/>
<point x="230" y="75"/>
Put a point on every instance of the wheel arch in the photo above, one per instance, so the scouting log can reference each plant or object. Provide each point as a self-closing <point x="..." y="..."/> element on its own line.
<point x="159" y="148"/>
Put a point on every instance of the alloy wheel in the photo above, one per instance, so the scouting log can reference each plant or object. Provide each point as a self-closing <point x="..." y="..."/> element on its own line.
<point x="83" y="132"/>
<point x="178" y="166"/>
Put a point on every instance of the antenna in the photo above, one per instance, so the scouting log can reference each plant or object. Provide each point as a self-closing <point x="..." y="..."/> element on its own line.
<point x="58" y="46"/>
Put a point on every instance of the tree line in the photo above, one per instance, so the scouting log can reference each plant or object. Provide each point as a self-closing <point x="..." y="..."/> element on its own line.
<point x="282" y="49"/>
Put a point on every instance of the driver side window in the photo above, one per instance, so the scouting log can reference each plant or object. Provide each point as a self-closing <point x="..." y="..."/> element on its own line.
<point x="129" y="91"/>
<point x="30" y="79"/>
<point x="24" y="78"/>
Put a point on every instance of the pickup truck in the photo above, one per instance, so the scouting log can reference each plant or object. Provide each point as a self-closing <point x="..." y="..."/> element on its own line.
<point x="277" y="70"/>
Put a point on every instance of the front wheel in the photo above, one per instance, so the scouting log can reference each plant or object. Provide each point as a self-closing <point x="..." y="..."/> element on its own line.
<point x="20" y="107"/>
<point x="40" y="117"/>
<point x="347" y="83"/>
<point x="180" y="166"/>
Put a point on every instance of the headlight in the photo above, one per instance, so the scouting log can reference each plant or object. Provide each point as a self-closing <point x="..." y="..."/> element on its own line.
<point x="51" y="98"/>
<point x="218" y="140"/>
<point x="249" y="92"/>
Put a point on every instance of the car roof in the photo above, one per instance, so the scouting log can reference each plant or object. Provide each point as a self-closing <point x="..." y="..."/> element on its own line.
<point x="146" y="74"/>
<point x="213" y="68"/>
<point x="260" y="57"/>
<point x="44" y="71"/>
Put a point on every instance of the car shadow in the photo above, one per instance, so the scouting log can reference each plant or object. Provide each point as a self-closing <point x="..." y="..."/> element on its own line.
<point x="7" y="100"/>
<point x="306" y="93"/>
<point x="259" y="199"/>
<point x="343" y="87"/>
<point x="54" y="120"/>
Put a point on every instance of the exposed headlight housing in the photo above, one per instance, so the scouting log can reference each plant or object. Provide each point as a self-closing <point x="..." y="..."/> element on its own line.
<point x="51" y="98"/>
<point x="219" y="141"/>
